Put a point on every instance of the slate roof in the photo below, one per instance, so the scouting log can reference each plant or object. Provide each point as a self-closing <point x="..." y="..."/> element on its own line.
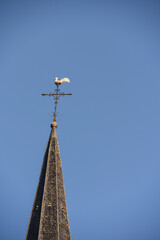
<point x="49" y="218"/>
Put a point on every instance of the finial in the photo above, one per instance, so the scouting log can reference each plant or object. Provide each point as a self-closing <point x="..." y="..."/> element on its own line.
<point x="54" y="124"/>
<point x="56" y="94"/>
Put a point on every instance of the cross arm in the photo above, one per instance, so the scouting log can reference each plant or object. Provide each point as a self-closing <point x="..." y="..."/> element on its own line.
<point x="54" y="94"/>
<point x="48" y="94"/>
<point x="65" y="94"/>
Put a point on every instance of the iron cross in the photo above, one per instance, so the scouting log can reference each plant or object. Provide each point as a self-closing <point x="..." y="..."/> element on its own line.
<point x="56" y="94"/>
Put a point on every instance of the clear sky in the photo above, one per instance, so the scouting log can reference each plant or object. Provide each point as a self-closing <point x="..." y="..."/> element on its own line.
<point x="108" y="131"/>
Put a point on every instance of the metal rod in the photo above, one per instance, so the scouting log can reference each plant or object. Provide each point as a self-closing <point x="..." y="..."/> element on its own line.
<point x="56" y="103"/>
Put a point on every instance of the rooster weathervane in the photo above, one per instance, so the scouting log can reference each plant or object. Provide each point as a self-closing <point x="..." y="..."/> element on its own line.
<point x="57" y="94"/>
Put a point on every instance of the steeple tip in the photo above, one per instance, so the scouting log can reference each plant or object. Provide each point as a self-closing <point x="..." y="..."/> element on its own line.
<point x="54" y="124"/>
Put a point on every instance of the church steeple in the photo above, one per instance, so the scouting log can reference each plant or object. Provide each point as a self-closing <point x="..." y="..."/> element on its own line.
<point x="49" y="218"/>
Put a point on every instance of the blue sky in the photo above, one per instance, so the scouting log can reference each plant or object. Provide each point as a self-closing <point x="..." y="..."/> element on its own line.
<point x="108" y="131"/>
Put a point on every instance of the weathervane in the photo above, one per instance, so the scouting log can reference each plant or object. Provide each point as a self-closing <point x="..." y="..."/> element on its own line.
<point x="57" y="94"/>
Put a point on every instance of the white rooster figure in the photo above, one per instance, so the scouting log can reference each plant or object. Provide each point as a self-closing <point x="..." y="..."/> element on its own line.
<point x="58" y="82"/>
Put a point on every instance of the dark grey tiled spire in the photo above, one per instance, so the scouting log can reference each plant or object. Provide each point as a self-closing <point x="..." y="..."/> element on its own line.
<point x="49" y="218"/>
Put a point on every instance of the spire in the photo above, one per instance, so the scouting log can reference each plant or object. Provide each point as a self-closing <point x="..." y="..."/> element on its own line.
<point x="49" y="218"/>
